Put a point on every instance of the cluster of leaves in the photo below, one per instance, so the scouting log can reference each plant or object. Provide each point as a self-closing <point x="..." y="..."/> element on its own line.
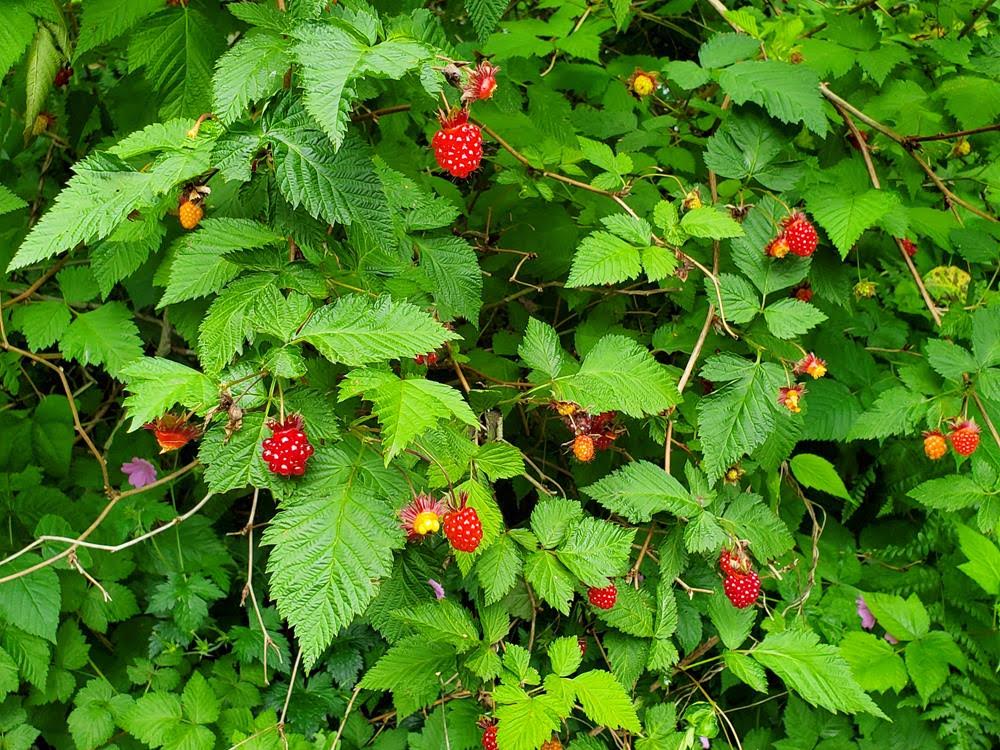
<point x="607" y="255"/>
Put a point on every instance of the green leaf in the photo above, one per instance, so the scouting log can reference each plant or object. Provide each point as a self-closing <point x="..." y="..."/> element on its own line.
<point x="710" y="222"/>
<point x="42" y="323"/>
<point x="106" y="336"/>
<point x="894" y="412"/>
<point x="540" y="350"/>
<point x="603" y="258"/>
<point x="406" y="408"/>
<point x="984" y="559"/>
<point x="789" y="318"/>
<point x="341" y="187"/>
<point x="753" y="520"/>
<point x="564" y="653"/>
<point x="630" y="228"/>
<point x="906" y="619"/>
<point x="927" y="661"/>
<point x="618" y="374"/>
<point x="818" y="473"/>
<point x="410" y="669"/>
<point x="251" y="70"/>
<point x="43" y="62"/>
<point x="524" y="722"/>
<point x="687" y="74"/>
<point x="760" y="227"/>
<point x="8" y="200"/>
<point x="177" y="51"/>
<point x="596" y="550"/>
<point x="949" y="493"/>
<point x="974" y="101"/>
<point x="442" y="621"/>
<point x="816" y="671"/>
<point x="725" y="49"/>
<point x="200" y="265"/>
<point x="746" y="148"/>
<point x="738" y="417"/>
<point x="104" y="20"/>
<point x="498" y="569"/>
<point x="99" y="197"/>
<point x="16" y="33"/>
<point x="157" y="384"/>
<point x="875" y="664"/>
<point x="985" y="341"/>
<point x="845" y="216"/>
<point x="329" y="57"/>
<point x="357" y="330"/>
<point x="199" y="701"/>
<point x="233" y="317"/>
<point x="639" y="490"/>
<point x="153" y="718"/>
<point x="485" y="15"/>
<point x="732" y="624"/>
<point x="451" y="265"/>
<point x="949" y="360"/>
<point x="339" y="535"/>
<point x="746" y="670"/>
<point x="499" y="460"/>
<point x="741" y="302"/>
<point x="52" y="435"/>
<point x="605" y="701"/>
<point x="552" y="518"/>
<point x="32" y="601"/>
<point x="554" y="584"/>
<point x="788" y="92"/>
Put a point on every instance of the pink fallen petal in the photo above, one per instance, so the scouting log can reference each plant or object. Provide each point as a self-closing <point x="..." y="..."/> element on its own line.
<point x="867" y="618"/>
<point x="140" y="472"/>
<point x="437" y="587"/>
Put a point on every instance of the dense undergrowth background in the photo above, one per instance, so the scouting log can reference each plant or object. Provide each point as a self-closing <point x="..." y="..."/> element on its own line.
<point x="608" y="253"/>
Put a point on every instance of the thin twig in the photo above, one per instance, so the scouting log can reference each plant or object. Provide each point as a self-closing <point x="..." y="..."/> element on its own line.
<point x="347" y="712"/>
<point x="986" y="417"/>
<point x="36" y="284"/>
<point x="950" y="136"/>
<point x="288" y="699"/>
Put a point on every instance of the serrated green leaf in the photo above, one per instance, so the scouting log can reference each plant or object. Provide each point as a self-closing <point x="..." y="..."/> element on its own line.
<point x="603" y="258"/>
<point x="540" y="350"/>
<point x="845" y="216"/>
<point x="639" y="490"/>
<point x="605" y="701"/>
<point x="106" y="336"/>
<point x="596" y="550"/>
<point x="451" y="264"/>
<point x="251" y="70"/>
<point x="710" y="222"/>
<point x="815" y="671"/>
<point x="498" y="569"/>
<point x="788" y="92"/>
<point x="894" y="412"/>
<point x="788" y="318"/>
<point x="619" y="374"/>
<point x="746" y="669"/>
<point x="874" y="663"/>
<point x="157" y="384"/>
<point x="553" y="583"/>
<point x="357" y="330"/>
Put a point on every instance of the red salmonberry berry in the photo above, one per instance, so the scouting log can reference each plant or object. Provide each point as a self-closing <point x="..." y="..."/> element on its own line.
<point x="462" y="526"/>
<point x="733" y="561"/>
<point x="458" y="145"/>
<point x="428" y="359"/>
<point x="803" y="292"/>
<point x="62" y="76"/>
<point x="553" y="744"/>
<point x="742" y="588"/>
<point x="935" y="445"/>
<point x="964" y="436"/>
<point x="288" y="448"/>
<point x="800" y="235"/>
<point x="190" y="214"/>
<point x="582" y="643"/>
<point x="603" y="598"/>
<point x="490" y="737"/>
<point x="583" y="448"/>
<point x="909" y="247"/>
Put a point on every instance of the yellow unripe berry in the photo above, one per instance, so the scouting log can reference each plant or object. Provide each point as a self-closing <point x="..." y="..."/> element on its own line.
<point x="643" y="85"/>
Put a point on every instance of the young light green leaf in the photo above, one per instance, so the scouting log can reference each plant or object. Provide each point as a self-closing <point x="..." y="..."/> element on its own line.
<point x="710" y="222"/>
<point x="816" y="472"/>
<point x="639" y="490"/>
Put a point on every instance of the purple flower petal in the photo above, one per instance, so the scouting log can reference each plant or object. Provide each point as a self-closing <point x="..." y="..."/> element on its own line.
<point x="891" y="638"/>
<point x="140" y="472"/>
<point x="704" y="742"/>
<point x="438" y="588"/>
<point x="867" y="618"/>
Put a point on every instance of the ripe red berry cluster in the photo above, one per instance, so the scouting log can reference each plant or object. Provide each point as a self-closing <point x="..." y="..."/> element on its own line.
<point x="462" y="526"/>
<point x="797" y="236"/>
<point x="591" y="432"/>
<point x="62" y="76"/>
<point x="803" y="292"/>
<point x="963" y="436"/>
<point x="288" y="448"/>
<point x="490" y="737"/>
<point x="458" y="145"/>
<point x="428" y="359"/>
<point x="909" y="246"/>
<point x="740" y="582"/>
<point x="603" y="598"/>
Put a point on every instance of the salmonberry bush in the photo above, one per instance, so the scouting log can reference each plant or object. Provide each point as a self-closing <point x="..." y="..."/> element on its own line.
<point x="583" y="374"/>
